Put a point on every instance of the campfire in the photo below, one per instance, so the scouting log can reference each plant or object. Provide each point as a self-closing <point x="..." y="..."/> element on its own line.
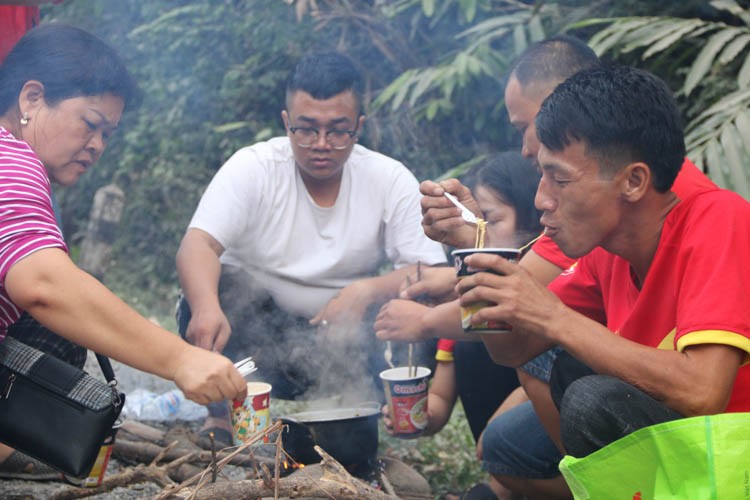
<point x="183" y="471"/>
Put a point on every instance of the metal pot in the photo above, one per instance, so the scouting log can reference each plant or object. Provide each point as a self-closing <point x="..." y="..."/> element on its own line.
<point x="350" y="435"/>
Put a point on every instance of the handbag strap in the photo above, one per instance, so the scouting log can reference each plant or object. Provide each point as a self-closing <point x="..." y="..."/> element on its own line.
<point x="106" y="367"/>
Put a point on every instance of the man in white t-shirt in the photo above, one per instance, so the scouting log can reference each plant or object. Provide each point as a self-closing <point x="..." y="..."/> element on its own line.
<point x="282" y="258"/>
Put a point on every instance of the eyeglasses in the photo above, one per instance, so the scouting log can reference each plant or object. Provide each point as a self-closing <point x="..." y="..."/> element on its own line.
<point x="305" y="137"/>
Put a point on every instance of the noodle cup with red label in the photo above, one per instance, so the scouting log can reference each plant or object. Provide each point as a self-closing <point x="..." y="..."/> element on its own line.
<point x="463" y="270"/>
<point x="407" y="399"/>
<point x="251" y="415"/>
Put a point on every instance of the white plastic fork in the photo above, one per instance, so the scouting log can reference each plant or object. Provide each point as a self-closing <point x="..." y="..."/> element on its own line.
<point x="466" y="214"/>
<point x="246" y="366"/>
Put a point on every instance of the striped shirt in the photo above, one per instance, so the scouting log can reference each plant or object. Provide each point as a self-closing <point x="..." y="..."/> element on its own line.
<point x="27" y="221"/>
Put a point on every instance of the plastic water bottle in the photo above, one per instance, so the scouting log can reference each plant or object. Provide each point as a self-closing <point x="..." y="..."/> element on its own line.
<point x="171" y="405"/>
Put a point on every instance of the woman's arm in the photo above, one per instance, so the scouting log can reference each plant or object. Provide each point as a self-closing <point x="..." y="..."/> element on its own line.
<point x="70" y="302"/>
<point x="442" y="397"/>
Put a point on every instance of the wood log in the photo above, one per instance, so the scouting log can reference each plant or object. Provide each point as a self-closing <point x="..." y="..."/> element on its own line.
<point x="143" y="431"/>
<point x="129" y="476"/>
<point x="334" y="483"/>
<point x="141" y="452"/>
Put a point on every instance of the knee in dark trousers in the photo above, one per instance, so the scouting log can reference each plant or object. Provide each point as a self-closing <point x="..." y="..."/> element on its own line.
<point x="597" y="410"/>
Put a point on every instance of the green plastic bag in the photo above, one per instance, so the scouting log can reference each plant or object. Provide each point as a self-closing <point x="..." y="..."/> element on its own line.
<point x="700" y="458"/>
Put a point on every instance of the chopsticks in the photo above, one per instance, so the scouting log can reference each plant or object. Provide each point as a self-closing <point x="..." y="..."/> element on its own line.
<point x="412" y="368"/>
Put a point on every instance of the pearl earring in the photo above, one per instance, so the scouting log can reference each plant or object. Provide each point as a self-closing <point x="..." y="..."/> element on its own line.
<point x="25" y="119"/>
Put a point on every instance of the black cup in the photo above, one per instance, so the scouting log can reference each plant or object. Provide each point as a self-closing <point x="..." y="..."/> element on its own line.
<point x="462" y="270"/>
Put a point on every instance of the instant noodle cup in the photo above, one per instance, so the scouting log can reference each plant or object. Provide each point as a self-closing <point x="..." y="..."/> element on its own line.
<point x="407" y="399"/>
<point x="252" y="414"/>
<point x="462" y="270"/>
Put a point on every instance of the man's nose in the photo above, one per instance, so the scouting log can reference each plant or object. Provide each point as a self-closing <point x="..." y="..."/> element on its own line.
<point x="321" y="141"/>
<point x="542" y="200"/>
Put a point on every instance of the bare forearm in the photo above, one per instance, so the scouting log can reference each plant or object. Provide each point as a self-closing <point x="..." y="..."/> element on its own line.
<point x="442" y="396"/>
<point x="199" y="269"/>
<point x="444" y="321"/>
<point x="539" y="267"/>
<point x="73" y="304"/>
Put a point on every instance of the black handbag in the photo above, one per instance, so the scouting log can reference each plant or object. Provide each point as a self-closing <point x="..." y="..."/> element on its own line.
<point x="53" y="411"/>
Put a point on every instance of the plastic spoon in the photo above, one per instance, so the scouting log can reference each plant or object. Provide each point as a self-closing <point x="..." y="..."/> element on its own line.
<point x="466" y="214"/>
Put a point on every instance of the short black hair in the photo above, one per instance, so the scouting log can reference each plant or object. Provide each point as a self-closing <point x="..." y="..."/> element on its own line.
<point x="553" y="60"/>
<point x="324" y="75"/>
<point x="622" y="115"/>
<point x="69" y="62"/>
<point x="515" y="180"/>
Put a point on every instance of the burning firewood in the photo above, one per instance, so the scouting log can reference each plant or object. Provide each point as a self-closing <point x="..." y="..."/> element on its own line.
<point x="174" y="469"/>
<point x="335" y="483"/>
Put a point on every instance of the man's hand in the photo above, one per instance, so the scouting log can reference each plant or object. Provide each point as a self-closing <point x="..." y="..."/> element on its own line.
<point x="207" y="377"/>
<point x="208" y="329"/>
<point x="441" y="219"/>
<point x="400" y="320"/>
<point x="518" y="298"/>
<point x="347" y="308"/>
<point x="387" y="422"/>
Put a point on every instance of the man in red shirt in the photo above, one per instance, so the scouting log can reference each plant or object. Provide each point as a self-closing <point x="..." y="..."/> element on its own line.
<point x="671" y="333"/>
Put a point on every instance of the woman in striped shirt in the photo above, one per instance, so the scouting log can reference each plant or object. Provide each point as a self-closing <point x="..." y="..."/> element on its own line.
<point x="62" y="93"/>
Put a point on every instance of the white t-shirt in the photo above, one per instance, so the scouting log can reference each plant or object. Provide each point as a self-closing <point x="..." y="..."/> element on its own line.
<point x="258" y="208"/>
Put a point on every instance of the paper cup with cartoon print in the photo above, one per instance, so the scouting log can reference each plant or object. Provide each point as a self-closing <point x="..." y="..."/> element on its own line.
<point x="462" y="270"/>
<point x="407" y="399"/>
<point x="252" y="414"/>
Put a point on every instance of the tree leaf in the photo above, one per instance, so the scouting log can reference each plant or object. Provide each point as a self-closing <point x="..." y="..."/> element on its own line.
<point x="426" y="79"/>
<point x="648" y="34"/>
<point x="611" y="36"/>
<point x="740" y="98"/>
<point x="705" y="58"/>
<point x="469" y="8"/>
<point x="716" y="167"/>
<point x="733" y="48"/>
<point x="536" y="29"/>
<point x="731" y="143"/>
<point x="743" y="76"/>
<point x="669" y="39"/>
<point x="519" y="39"/>
<point x="733" y="8"/>
<point x="428" y="7"/>
<point x="495" y="23"/>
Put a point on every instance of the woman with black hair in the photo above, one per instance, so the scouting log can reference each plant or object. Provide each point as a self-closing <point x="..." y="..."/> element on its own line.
<point x="62" y="93"/>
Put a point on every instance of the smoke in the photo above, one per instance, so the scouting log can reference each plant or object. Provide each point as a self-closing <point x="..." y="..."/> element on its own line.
<point x="338" y="363"/>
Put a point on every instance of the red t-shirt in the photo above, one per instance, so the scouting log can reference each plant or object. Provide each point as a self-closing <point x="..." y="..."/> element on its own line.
<point x="690" y="180"/>
<point x="696" y="290"/>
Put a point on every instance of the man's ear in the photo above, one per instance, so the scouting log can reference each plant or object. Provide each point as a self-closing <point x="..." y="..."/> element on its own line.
<point x="31" y="97"/>
<point x="636" y="181"/>
<point x="360" y="124"/>
<point x="285" y="118"/>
